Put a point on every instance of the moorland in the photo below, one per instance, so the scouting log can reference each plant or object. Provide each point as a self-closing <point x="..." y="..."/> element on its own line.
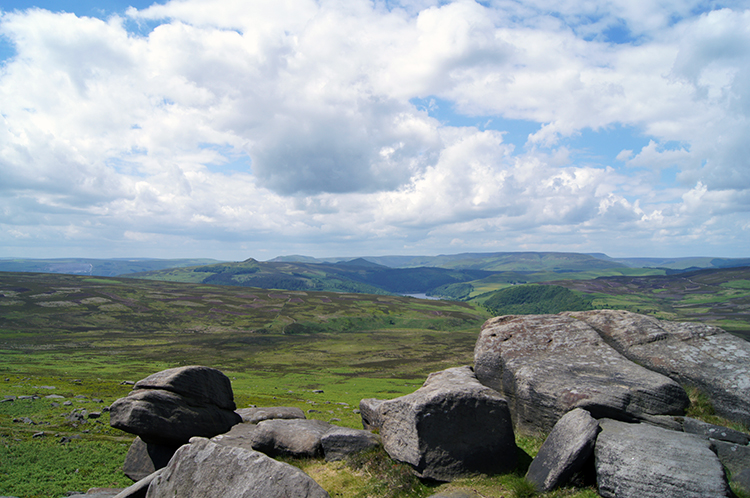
<point x="81" y="337"/>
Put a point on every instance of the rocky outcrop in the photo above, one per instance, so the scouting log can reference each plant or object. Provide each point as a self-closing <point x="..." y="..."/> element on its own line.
<point x="296" y="438"/>
<point x="143" y="459"/>
<point x="697" y="354"/>
<point x="565" y="452"/>
<point x="547" y="365"/>
<point x="643" y="461"/>
<point x="203" y="469"/>
<point x="450" y="427"/>
<point x="254" y="415"/>
<point x="169" y="407"/>
<point x="340" y="442"/>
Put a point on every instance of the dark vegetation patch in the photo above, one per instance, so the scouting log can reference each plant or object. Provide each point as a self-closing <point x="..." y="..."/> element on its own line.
<point x="535" y="299"/>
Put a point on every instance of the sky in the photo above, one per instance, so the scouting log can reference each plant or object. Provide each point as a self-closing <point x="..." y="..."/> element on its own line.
<point x="233" y="129"/>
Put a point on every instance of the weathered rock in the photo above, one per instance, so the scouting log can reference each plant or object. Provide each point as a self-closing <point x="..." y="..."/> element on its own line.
<point x="742" y="480"/>
<point x="207" y="386"/>
<point x="339" y="442"/>
<point x="169" y="419"/>
<point x="240" y="436"/>
<point x="734" y="457"/>
<point x="143" y="459"/>
<point x="255" y="415"/>
<point x="546" y="365"/>
<point x="643" y="461"/>
<point x="140" y="488"/>
<point x="203" y="469"/>
<point x="450" y="427"/>
<point x="455" y="494"/>
<point x="295" y="437"/>
<point x="565" y="452"/>
<point x="368" y="410"/>
<point x="697" y="354"/>
<point x="712" y="431"/>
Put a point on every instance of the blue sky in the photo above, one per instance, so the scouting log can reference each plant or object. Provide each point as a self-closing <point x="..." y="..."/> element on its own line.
<point x="233" y="129"/>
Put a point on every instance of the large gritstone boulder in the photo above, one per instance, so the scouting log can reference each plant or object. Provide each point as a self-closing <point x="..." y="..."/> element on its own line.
<point x="169" y="407"/>
<point x="547" y="365"/>
<point x="203" y="469"/>
<point x="450" y="427"/>
<point x="697" y="354"/>
<point x="643" y="461"/>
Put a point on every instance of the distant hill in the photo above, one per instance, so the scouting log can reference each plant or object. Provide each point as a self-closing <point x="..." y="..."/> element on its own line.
<point x="497" y="261"/>
<point x="99" y="267"/>
<point x="358" y="275"/>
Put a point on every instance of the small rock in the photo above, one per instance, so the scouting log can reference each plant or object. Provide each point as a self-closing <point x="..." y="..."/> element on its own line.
<point x="318" y="391"/>
<point x="565" y="451"/>
<point x="39" y="434"/>
<point x="712" y="431"/>
<point x="94" y="415"/>
<point x="127" y="383"/>
<point x="68" y="403"/>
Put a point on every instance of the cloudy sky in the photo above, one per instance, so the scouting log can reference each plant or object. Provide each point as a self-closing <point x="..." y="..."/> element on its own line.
<point x="254" y="128"/>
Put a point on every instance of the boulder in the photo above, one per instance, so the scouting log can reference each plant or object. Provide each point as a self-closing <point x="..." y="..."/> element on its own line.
<point x="143" y="459"/>
<point x="643" y="461"/>
<point x="368" y="410"/>
<point x="547" y="365"/>
<point x="240" y="436"/>
<point x="340" y="442"/>
<point x="295" y="437"/>
<point x="255" y="415"/>
<point x="451" y="427"/>
<point x="697" y="354"/>
<point x="565" y="452"/>
<point x="169" y="419"/>
<point x="206" y="386"/>
<point x="203" y="469"/>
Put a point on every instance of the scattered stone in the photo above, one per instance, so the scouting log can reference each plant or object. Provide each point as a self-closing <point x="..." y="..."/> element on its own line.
<point x="54" y="405"/>
<point x="94" y="415"/>
<point x="127" y="383"/>
<point x="643" y="461"/>
<point x="695" y="354"/>
<point x="46" y="387"/>
<point x="565" y="452"/>
<point x="546" y="365"/>
<point x="204" y="468"/>
<point x="26" y="397"/>
<point x="80" y="396"/>
<point x="24" y="420"/>
<point x="39" y="434"/>
<point x="694" y="426"/>
<point x="451" y="427"/>
<point x="317" y="391"/>
<point x="254" y="415"/>
<point x="340" y="442"/>
<point x="77" y="416"/>
<point x="143" y="459"/>
<point x="54" y="396"/>
<point x="97" y="400"/>
<point x="290" y="437"/>
<point x="68" y="403"/>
